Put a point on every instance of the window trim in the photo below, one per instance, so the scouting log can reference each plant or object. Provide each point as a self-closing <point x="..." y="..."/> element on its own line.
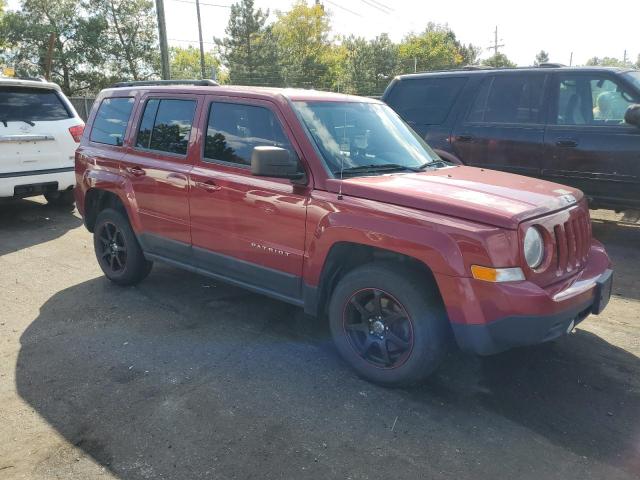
<point x="225" y="163"/>
<point x="124" y="135"/>
<point x="143" y="106"/>
<point x="542" y="115"/>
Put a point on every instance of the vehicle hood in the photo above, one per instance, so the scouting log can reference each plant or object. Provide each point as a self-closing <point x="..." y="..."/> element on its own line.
<point x="486" y="196"/>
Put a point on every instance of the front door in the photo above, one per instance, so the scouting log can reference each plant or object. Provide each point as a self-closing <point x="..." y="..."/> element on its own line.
<point x="588" y="144"/>
<point x="158" y="166"/>
<point x="504" y="128"/>
<point x="249" y="229"/>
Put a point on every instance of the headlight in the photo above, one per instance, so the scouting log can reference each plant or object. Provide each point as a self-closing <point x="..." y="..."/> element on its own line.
<point x="533" y="247"/>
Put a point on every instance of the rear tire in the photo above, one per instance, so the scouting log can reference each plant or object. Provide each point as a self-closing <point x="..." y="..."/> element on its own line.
<point x="389" y="324"/>
<point x="60" y="199"/>
<point x="117" y="249"/>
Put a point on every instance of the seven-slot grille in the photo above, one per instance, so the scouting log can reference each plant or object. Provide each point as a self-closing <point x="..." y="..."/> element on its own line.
<point x="573" y="240"/>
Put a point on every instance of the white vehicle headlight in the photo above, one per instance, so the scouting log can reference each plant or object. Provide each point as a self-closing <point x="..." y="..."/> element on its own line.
<point x="533" y="247"/>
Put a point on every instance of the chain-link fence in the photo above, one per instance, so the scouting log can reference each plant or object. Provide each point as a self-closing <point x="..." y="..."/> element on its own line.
<point x="82" y="105"/>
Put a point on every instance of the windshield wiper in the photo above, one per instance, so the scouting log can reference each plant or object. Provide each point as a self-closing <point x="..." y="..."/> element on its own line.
<point x="28" y="122"/>
<point x="383" y="167"/>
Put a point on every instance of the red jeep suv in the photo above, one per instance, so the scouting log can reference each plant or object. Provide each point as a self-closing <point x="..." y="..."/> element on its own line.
<point x="330" y="202"/>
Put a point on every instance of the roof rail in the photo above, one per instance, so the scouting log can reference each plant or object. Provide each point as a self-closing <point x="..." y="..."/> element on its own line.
<point x="551" y="65"/>
<point x="151" y="83"/>
<point x="474" y="67"/>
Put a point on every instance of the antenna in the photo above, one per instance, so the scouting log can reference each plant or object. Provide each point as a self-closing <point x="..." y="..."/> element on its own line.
<point x="344" y="137"/>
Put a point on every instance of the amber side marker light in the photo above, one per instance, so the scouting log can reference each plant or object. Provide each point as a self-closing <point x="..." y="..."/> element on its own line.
<point x="489" y="274"/>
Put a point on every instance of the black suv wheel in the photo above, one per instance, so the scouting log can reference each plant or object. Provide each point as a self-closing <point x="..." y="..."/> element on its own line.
<point x="389" y="324"/>
<point x="117" y="249"/>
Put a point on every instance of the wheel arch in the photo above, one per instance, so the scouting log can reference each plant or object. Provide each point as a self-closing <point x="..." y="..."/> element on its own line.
<point x="345" y="256"/>
<point x="97" y="200"/>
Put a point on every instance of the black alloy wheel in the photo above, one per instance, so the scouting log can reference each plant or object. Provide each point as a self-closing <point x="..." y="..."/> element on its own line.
<point x="378" y="328"/>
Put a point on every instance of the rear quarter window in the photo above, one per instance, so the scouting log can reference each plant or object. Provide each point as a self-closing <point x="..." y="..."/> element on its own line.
<point x="31" y="104"/>
<point x="111" y="121"/>
<point x="425" y="101"/>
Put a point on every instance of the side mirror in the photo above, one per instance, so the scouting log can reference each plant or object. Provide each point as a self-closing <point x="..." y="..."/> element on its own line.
<point x="275" y="162"/>
<point x="632" y="115"/>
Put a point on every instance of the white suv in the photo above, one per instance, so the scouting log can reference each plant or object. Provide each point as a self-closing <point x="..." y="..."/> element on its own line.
<point x="39" y="133"/>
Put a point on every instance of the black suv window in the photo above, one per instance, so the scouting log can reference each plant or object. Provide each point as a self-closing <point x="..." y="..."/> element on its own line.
<point x="509" y="99"/>
<point x="19" y="104"/>
<point x="591" y="100"/>
<point x="166" y="125"/>
<point x="111" y="121"/>
<point x="234" y="129"/>
<point x="425" y="101"/>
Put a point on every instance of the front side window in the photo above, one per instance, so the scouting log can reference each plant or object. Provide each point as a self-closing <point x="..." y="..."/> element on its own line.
<point x="425" y="101"/>
<point x="584" y="100"/>
<point x="233" y="130"/>
<point x="166" y="125"/>
<point x="111" y="121"/>
<point x="509" y="99"/>
<point x="20" y="104"/>
<point x="361" y="138"/>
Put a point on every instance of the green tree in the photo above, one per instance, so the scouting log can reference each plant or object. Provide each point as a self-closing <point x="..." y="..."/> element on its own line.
<point x="541" y="57"/>
<point x="76" y="60"/>
<point x="470" y="54"/>
<point x="385" y="62"/>
<point x="249" y="49"/>
<point x="358" y="66"/>
<point x="498" y="60"/>
<point x="129" y="43"/>
<point x="434" y="49"/>
<point x="605" y="62"/>
<point x="185" y="62"/>
<point x="302" y="36"/>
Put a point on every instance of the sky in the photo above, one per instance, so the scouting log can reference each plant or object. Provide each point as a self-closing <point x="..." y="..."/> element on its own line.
<point x="560" y="27"/>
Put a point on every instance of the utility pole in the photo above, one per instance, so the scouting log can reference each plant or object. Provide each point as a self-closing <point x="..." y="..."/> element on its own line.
<point x="47" y="70"/>
<point x="495" y="46"/>
<point x="162" y="34"/>
<point x="202" y="68"/>
<point x="571" y="60"/>
<point x="624" y="61"/>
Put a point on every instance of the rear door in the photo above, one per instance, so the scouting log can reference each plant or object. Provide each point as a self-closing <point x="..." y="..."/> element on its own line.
<point x="34" y="131"/>
<point x="589" y="145"/>
<point x="503" y="128"/>
<point x="157" y="166"/>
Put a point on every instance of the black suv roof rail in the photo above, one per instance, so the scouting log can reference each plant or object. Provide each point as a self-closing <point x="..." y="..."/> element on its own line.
<point x="153" y="83"/>
<point x="551" y="65"/>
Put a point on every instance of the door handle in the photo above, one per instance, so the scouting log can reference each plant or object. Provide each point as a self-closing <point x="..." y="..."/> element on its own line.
<point x="136" y="171"/>
<point x="208" y="185"/>
<point x="177" y="176"/>
<point x="566" y="143"/>
<point x="464" y="138"/>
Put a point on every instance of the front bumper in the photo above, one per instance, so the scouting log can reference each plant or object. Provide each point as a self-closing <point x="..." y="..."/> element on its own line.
<point x="488" y="318"/>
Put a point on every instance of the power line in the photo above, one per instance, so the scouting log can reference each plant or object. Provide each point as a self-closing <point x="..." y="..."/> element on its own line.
<point x="203" y="3"/>
<point x="340" y="7"/>
<point x="190" y="41"/>
<point x="377" y="7"/>
<point x="383" y="5"/>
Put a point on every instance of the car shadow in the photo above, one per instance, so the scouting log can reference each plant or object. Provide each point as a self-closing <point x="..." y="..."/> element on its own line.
<point x="621" y="241"/>
<point x="29" y="222"/>
<point x="182" y="377"/>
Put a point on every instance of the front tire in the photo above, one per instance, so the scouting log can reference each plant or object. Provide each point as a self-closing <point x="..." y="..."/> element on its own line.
<point x="117" y="249"/>
<point x="389" y="324"/>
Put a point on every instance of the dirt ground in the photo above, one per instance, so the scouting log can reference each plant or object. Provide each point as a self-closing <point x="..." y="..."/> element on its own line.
<point x="184" y="378"/>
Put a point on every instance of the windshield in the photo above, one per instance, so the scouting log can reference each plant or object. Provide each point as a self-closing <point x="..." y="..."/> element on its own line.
<point x="635" y="78"/>
<point x="364" y="138"/>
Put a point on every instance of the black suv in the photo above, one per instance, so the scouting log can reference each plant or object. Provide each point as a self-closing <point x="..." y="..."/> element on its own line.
<point x="572" y="125"/>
